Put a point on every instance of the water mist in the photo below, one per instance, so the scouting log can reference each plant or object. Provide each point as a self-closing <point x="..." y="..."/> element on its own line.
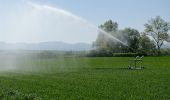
<point x="74" y="17"/>
<point x="32" y="61"/>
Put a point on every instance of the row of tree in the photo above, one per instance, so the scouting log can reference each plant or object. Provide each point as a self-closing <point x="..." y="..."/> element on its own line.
<point x="148" y="42"/>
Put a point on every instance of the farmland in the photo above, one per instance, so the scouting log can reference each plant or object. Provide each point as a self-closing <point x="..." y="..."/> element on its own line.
<point x="89" y="78"/>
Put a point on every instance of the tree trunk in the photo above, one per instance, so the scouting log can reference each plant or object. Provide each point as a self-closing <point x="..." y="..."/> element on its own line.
<point x="159" y="51"/>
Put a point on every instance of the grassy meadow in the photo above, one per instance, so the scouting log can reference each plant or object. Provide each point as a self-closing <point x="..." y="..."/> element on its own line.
<point x="84" y="78"/>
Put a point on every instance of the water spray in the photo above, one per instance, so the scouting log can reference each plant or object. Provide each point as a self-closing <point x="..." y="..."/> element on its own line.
<point x="73" y="16"/>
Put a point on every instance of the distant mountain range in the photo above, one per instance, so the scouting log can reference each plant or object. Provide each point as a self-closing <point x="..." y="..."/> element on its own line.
<point x="46" y="46"/>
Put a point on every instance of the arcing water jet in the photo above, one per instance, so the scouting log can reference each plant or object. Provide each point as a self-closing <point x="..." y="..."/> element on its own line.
<point x="74" y="17"/>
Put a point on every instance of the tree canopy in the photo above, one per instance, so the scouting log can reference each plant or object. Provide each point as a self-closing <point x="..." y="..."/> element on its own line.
<point x="109" y="26"/>
<point x="154" y="36"/>
<point x="158" y="29"/>
<point x="132" y="38"/>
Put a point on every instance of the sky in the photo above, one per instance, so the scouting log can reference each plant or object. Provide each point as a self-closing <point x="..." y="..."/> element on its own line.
<point x="128" y="13"/>
<point x="73" y="20"/>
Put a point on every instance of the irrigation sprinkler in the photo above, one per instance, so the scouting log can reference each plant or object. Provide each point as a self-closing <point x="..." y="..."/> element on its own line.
<point x="136" y="63"/>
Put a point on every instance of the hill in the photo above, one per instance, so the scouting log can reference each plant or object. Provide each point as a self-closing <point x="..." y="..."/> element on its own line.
<point x="46" y="46"/>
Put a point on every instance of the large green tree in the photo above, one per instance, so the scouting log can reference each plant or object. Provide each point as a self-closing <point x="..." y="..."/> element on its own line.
<point x="128" y="35"/>
<point x="103" y="42"/>
<point x="132" y="37"/>
<point x="109" y="26"/>
<point x="146" y="45"/>
<point x="158" y="29"/>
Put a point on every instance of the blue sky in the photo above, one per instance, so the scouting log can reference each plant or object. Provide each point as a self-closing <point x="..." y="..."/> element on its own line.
<point x="128" y="13"/>
<point x="20" y="22"/>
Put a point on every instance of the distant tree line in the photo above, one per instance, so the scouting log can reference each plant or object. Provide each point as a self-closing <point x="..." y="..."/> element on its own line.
<point x="148" y="42"/>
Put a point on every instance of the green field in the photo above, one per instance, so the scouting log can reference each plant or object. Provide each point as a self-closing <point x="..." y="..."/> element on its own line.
<point x="83" y="78"/>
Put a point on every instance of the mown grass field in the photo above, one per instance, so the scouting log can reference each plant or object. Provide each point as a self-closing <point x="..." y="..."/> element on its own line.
<point x="81" y="78"/>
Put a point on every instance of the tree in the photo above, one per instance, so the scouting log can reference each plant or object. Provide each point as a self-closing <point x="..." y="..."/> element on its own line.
<point x="129" y="35"/>
<point x="103" y="42"/>
<point x="158" y="29"/>
<point x="146" y="46"/>
<point x="132" y="37"/>
<point x="109" y="26"/>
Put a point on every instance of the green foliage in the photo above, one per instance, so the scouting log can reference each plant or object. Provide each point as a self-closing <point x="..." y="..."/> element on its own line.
<point x="125" y="54"/>
<point x="128" y="35"/>
<point x="104" y="42"/>
<point x="146" y="46"/>
<point x="93" y="79"/>
<point x="132" y="38"/>
<point x="158" y="29"/>
<point x="109" y="26"/>
<point x="12" y="94"/>
<point x="100" y="53"/>
<point x="103" y="53"/>
<point x="46" y="54"/>
<point x="165" y="52"/>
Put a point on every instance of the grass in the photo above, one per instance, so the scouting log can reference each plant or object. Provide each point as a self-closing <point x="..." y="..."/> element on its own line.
<point x="81" y="78"/>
